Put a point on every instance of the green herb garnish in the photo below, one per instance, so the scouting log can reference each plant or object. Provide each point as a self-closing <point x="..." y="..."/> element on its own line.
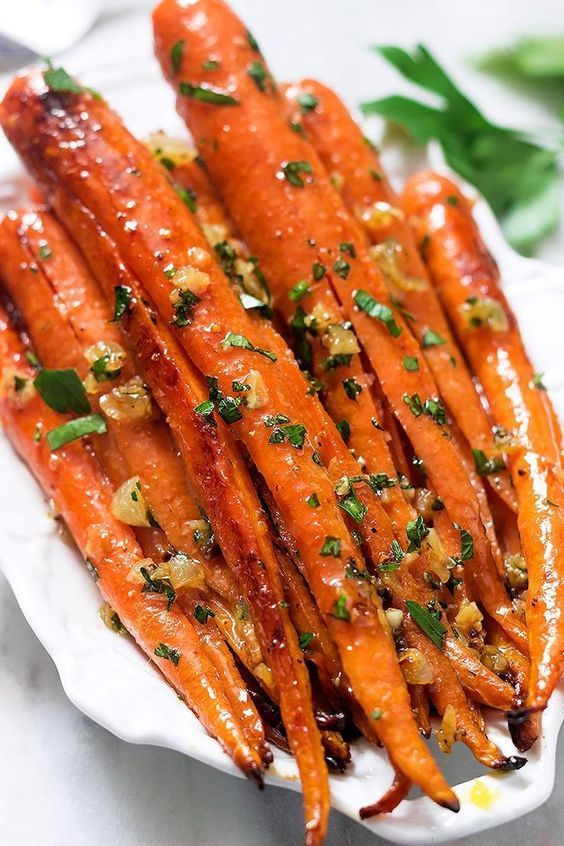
<point x="207" y="94"/>
<point x="176" y="53"/>
<point x="234" y="340"/>
<point x="291" y="172"/>
<point x="427" y="622"/>
<point x="91" y="424"/>
<point x="169" y="653"/>
<point x="331" y="547"/>
<point x="375" y="309"/>
<point x="518" y="177"/>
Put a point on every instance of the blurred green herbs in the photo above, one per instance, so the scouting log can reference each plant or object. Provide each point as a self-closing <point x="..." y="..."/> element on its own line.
<point x="517" y="175"/>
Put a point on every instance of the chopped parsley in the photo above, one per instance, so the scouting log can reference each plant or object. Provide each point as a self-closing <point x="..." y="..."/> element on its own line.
<point x="188" y="197"/>
<point x="416" y="531"/>
<point x="307" y="102"/>
<point x="158" y="586"/>
<point x="169" y="653"/>
<point x="176" y="53"/>
<point x="299" y="290"/>
<point x="331" y="547"/>
<point x="353" y="507"/>
<point x="431" y="339"/>
<point x="294" y="433"/>
<point x="234" y="340"/>
<point x="91" y="424"/>
<point x="57" y="79"/>
<point x="352" y="388"/>
<point x="466" y="544"/>
<point x="375" y="309"/>
<point x="427" y="622"/>
<point x="484" y="465"/>
<point x="122" y="299"/>
<point x="184" y="308"/>
<point x="45" y="252"/>
<point x="62" y="390"/>
<point x="342" y="268"/>
<point x="207" y="94"/>
<point x="305" y="640"/>
<point x="313" y="500"/>
<point x="291" y="172"/>
<point x="100" y="370"/>
<point x="318" y="271"/>
<point x="252" y="42"/>
<point x="202" y="614"/>
<point x="344" y="429"/>
<point x="411" y="363"/>
<point x="340" y="610"/>
<point x="432" y="408"/>
<point x="538" y="383"/>
<point x="258" y="74"/>
<point x="210" y="65"/>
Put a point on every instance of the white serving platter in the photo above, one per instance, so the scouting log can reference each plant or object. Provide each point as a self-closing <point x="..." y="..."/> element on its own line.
<point x="109" y="679"/>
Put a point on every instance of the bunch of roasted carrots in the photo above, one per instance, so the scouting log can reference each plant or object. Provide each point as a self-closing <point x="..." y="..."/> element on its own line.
<point x="287" y="416"/>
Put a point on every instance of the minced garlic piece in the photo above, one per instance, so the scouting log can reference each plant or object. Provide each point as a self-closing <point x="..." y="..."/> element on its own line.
<point x="129" y="505"/>
<point x="173" y="150"/>
<point x="484" y="312"/>
<point x="340" y="341"/>
<point x="214" y="233"/>
<point x="258" y="394"/>
<point x="378" y="214"/>
<point x="390" y="258"/>
<point x="446" y="733"/>
<point x="127" y="403"/>
<point x="415" y="667"/>
<point x="469" y="618"/>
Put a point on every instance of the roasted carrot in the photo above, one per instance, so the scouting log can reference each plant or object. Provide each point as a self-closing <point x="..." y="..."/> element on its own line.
<point x="222" y="483"/>
<point x="62" y="291"/>
<point x="83" y="497"/>
<point x="283" y="199"/>
<point x="161" y="225"/>
<point x="468" y="283"/>
<point x="367" y="193"/>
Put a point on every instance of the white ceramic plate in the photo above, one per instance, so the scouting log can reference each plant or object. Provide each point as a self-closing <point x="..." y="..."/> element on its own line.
<point x="110" y="680"/>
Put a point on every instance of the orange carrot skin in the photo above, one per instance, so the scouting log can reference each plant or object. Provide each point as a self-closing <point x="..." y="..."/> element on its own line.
<point x="368" y="440"/>
<point x="72" y="477"/>
<point x="375" y="689"/>
<point x="146" y="444"/>
<point x="462" y="268"/>
<point x="342" y="148"/>
<point x="219" y="477"/>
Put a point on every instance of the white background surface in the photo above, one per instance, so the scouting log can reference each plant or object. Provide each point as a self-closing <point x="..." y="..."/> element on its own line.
<point x="65" y="781"/>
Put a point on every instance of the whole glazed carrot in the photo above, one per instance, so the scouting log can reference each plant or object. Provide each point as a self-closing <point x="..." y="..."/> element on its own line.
<point x="162" y="231"/>
<point x="468" y="282"/>
<point x="282" y="200"/>
<point x="368" y="195"/>
<point x="83" y="496"/>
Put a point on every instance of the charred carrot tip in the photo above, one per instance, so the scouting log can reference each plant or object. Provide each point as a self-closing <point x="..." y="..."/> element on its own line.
<point x="512" y="762"/>
<point x="451" y="804"/>
<point x="255" y="773"/>
<point x="520" y="715"/>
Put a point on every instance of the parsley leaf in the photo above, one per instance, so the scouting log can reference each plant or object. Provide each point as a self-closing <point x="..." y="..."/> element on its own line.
<point x="291" y="172"/>
<point x="305" y="639"/>
<point x="517" y="176"/>
<point x="176" y="53"/>
<point x="168" y="652"/>
<point x="62" y="390"/>
<point x="92" y="424"/>
<point x="375" y="309"/>
<point x="427" y="622"/>
<point x="207" y="94"/>
<point x="122" y="298"/>
<point x="234" y="340"/>
<point x="484" y="465"/>
<point x="307" y="101"/>
<point x="431" y="339"/>
<point x="331" y="547"/>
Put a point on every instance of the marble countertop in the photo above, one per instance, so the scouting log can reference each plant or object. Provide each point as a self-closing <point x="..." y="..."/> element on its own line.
<point x="65" y="780"/>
